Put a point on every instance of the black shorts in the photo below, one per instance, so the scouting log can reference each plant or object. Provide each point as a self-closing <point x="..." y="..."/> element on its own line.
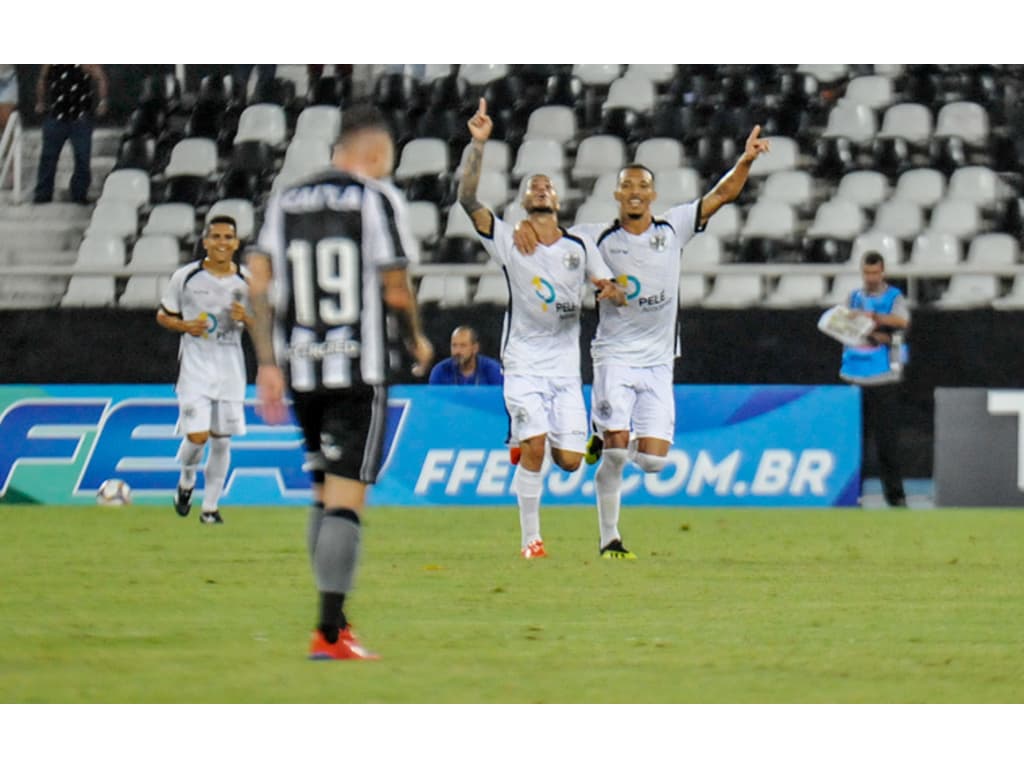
<point x="344" y="430"/>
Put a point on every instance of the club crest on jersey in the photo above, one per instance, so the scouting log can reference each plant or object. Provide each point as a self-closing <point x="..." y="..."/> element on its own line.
<point x="658" y="242"/>
<point x="571" y="260"/>
<point x="604" y="409"/>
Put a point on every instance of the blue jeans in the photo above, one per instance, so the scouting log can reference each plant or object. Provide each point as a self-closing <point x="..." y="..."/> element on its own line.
<point x="55" y="133"/>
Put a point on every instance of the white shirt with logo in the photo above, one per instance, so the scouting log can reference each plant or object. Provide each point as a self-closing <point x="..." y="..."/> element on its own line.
<point x="211" y="365"/>
<point x="541" y="334"/>
<point x="644" y="332"/>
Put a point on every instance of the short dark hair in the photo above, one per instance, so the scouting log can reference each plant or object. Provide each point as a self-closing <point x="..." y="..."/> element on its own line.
<point x="871" y="258"/>
<point x="636" y="167"/>
<point x="362" y="117"/>
<point x="221" y="220"/>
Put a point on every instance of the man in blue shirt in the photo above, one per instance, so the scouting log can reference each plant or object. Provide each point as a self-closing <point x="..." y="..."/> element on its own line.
<point x="466" y="365"/>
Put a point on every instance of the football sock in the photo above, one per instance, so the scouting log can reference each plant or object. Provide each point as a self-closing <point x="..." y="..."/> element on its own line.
<point x="528" y="487"/>
<point x="189" y="456"/>
<point x="316" y="517"/>
<point x="216" y="471"/>
<point x="608" y="483"/>
<point x="335" y="558"/>
<point x="332" y="615"/>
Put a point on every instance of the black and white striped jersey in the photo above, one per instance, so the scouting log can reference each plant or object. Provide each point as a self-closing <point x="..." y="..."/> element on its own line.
<point x="329" y="238"/>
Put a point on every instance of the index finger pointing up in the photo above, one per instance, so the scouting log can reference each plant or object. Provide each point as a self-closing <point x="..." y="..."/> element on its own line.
<point x="482" y="109"/>
<point x="753" y="134"/>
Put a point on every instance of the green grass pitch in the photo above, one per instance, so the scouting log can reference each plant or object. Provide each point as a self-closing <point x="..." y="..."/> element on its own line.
<point x="724" y="605"/>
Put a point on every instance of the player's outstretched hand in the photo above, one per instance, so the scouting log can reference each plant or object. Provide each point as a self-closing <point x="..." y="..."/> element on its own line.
<point x="525" y="237"/>
<point x="755" y="144"/>
<point x="480" y="125"/>
<point x="423" y="352"/>
<point x="270" y="388"/>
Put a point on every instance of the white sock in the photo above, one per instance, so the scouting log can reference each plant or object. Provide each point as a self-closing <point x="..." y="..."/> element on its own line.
<point x="528" y="486"/>
<point x="189" y="456"/>
<point x="608" y="481"/>
<point x="216" y="471"/>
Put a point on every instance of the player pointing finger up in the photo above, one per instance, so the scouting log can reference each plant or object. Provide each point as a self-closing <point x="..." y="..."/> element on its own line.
<point x="480" y="125"/>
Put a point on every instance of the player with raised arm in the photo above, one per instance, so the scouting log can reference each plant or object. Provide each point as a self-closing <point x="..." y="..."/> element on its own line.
<point x="332" y="244"/>
<point x="635" y="345"/>
<point x="541" y="335"/>
<point x="205" y="302"/>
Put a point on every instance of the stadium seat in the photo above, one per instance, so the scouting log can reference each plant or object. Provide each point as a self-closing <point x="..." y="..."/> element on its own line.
<point x="793" y="187"/>
<point x="976" y="184"/>
<point x="263" y="122"/>
<point x="240" y="210"/>
<point x="425" y="222"/>
<point x="89" y="291"/>
<point x="493" y="190"/>
<point x="538" y="156"/>
<point x="725" y="224"/>
<point x="136" y="152"/>
<point x="421" y="157"/>
<point x="1014" y="300"/>
<point x="101" y="251"/>
<point x="606" y="184"/>
<point x="909" y="121"/>
<point x="143" y="291"/>
<point x="659" y="74"/>
<point x="692" y="290"/>
<point x="964" y="120"/>
<point x="878" y="242"/>
<point x="444" y="290"/>
<point x="853" y="121"/>
<point x="482" y="74"/>
<point x="307" y="154"/>
<point x="824" y="73"/>
<point x="319" y="122"/>
<point x="116" y="218"/>
<point x="552" y="122"/>
<point x="921" y="186"/>
<point x="734" y="291"/>
<point x="192" y="157"/>
<point x="676" y="186"/>
<point x="703" y="250"/>
<point x="901" y="219"/>
<point x="838" y="218"/>
<point x="874" y="91"/>
<point x="784" y="156"/>
<point x="935" y="250"/>
<point x="175" y="219"/>
<point x="597" y="74"/>
<point x="156" y="252"/>
<point x="768" y="233"/>
<point x="797" y="290"/>
<point x="496" y="157"/>
<point x="993" y="249"/>
<point x="492" y="289"/>
<point x="128" y="185"/>
<point x="636" y="93"/>
<point x="843" y="285"/>
<point x="969" y="291"/>
<point x="595" y="211"/>
<point x="659" y="154"/>
<point x="868" y="189"/>
<point x="598" y="154"/>
<point x="955" y="217"/>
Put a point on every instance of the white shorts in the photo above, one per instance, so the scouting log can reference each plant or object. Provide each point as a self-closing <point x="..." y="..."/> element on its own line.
<point x="640" y="400"/>
<point x="220" y="417"/>
<point x="539" y="405"/>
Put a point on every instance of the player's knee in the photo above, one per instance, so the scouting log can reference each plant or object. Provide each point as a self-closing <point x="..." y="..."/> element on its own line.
<point x="650" y="463"/>
<point x="199" y="438"/>
<point x="569" y="463"/>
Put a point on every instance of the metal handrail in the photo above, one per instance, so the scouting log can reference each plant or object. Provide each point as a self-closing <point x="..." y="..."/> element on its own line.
<point x="11" y="153"/>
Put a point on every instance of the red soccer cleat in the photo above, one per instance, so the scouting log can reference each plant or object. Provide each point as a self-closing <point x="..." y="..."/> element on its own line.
<point x="347" y="648"/>
<point x="513" y="454"/>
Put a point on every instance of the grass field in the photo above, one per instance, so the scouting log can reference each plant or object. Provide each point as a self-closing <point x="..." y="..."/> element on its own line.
<point x="724" y="605"/>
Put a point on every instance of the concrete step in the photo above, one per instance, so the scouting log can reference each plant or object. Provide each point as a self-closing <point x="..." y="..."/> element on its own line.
<point x="71" y="214"/>
<point x="43" y="235"/>
<point x="38" y="258"/>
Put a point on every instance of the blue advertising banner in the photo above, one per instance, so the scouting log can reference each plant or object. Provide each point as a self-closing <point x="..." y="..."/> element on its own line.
<point x="734" y="446"/>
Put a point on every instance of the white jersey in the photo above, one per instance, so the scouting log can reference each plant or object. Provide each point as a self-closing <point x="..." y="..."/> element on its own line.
<point x="643" y="332"/>
<point x="541" y="334"/>
<point x="211" y="365"/>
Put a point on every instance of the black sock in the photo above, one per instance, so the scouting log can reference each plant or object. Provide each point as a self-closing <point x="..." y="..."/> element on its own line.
<point x="332" y="617"/>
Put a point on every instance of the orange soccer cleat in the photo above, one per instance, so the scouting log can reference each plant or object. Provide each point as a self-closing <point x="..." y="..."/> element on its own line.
<point x="513" y="454"/>
<point x="347" y="647"/>
<point x="533" y="550"/>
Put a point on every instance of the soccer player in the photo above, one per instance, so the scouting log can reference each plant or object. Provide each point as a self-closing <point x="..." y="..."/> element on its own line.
<point x="332" y="243"/>
<point x="540" y="352"/>
<point x="636" y="344"/>
<point x="466" y="365"/>
<point x="205" y="301"/>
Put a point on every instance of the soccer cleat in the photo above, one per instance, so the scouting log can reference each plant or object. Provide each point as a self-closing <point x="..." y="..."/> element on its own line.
<point x="347" y="648"/>
<point x="514" y="453"/>
<point x="615" y="551"/>
<point x="595" y="445"/>
<point x="183" y="501"/>
<point x="533" y="550"/>
<point x="211" y="518"/>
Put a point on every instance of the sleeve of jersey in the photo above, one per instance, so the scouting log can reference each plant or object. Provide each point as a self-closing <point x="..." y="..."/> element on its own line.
<point x="596" y="266"/>
<point x="499" y="245"/>
<point x="170" y="301"/>
<point x="382" y="220"/>
<point x="685" y="220"/>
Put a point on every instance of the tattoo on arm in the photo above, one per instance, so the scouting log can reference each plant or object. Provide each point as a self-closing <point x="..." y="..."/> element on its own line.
<point x="261" y="329"/>
<point x="470" y="180"/>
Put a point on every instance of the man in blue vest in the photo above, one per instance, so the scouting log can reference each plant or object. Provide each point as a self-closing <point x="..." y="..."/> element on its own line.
<point x="877" y="368"/>
<point x="466" y="365"/>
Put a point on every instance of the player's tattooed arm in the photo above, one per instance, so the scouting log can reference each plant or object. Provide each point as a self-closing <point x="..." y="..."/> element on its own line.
<point x="480" y="127"/>
<point x="261" y="328"/>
